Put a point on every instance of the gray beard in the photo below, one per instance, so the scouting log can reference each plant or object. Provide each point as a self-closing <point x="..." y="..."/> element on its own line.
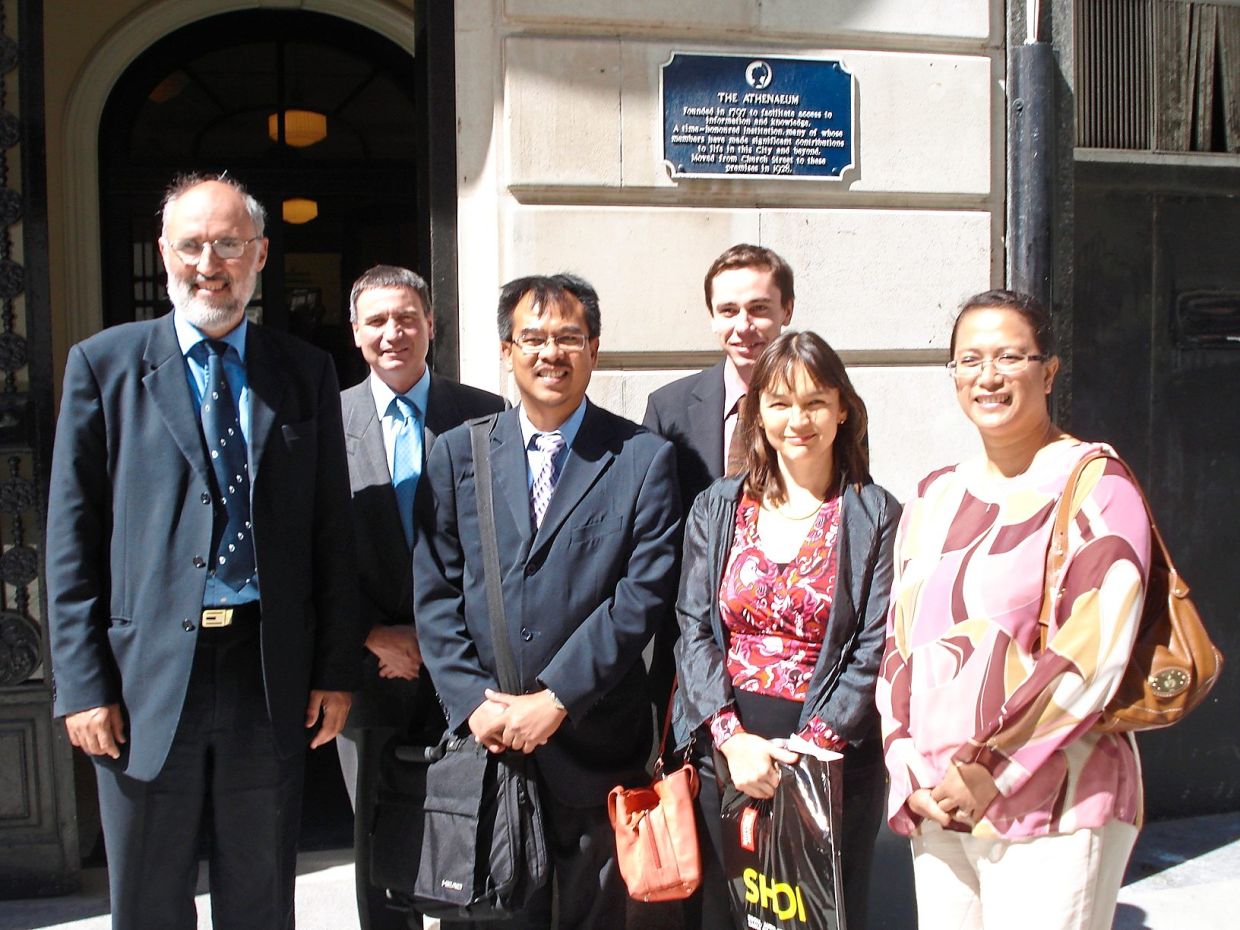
<point x="205" y="316"/>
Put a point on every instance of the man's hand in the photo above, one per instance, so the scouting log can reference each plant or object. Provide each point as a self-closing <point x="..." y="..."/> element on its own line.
<point x="333" y="708"/>
<point x="529" y="719"/>
<point x="966" y="791"/>
<point x="487" y="725"/>
<point x="752" y="763"/>
<point x="397" y="650"/>
<point x="97" y="731"/>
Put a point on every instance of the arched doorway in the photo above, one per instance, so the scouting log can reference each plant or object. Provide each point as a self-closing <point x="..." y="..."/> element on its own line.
<point x="211" y="96"/>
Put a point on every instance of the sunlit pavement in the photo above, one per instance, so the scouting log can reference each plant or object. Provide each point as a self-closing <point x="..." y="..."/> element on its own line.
<point x="1184" y="875"/>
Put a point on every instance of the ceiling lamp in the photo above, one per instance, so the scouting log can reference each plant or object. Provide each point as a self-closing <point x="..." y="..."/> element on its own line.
<point x="298" y="210"/>
<point x="302" y="128"/>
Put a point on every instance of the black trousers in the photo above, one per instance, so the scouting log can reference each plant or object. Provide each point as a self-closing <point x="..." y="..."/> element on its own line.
<point x="413" y="714"/>
<point x="586" y="891"/>
<point x="360" y="751"/>
<point x="223" y="779"/>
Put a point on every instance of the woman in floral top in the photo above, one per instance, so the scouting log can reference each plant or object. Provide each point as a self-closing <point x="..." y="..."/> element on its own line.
<point x="1021" y="815"/>
<point x="783" y="594"/>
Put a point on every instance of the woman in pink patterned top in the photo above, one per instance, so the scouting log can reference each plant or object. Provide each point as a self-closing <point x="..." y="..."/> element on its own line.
<point x="783" y="594"/>
<point x="1020" y="814"/>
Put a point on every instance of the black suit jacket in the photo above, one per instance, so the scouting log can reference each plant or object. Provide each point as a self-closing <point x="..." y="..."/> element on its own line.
<point x="582" y="594"/>
<point x="384" y="563"/>
<point x="689" y="412"/>
<point x="841" y="689"/>
<point x="129" y="533"/>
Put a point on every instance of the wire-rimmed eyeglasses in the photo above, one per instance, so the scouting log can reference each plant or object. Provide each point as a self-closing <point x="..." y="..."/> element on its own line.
<point x="190" y="250"/>
<point x="1009" y="363"/>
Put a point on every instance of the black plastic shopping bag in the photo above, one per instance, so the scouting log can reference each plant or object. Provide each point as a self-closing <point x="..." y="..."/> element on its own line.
<point x="781" y="855"/>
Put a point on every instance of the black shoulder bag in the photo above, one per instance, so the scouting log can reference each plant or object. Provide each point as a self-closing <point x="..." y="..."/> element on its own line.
<point x="475" y="848"/>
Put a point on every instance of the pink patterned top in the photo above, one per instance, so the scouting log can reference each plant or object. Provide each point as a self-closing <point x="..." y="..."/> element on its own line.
<point x="776" y="615"/>
<point x="959" y="680"/>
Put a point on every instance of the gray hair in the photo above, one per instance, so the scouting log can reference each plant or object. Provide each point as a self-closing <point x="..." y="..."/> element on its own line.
<point x="183" y="182"/>
<point x="389" y="276"/>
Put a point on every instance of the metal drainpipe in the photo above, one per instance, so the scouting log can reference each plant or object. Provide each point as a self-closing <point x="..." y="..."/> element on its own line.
<point x="1031" y="135"/>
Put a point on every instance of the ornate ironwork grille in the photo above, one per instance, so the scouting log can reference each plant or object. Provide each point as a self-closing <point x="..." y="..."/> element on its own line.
<point x="38" y="840"/>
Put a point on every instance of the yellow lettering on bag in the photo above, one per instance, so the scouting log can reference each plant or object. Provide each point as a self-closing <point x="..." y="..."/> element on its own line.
<point x="783" y="898"/>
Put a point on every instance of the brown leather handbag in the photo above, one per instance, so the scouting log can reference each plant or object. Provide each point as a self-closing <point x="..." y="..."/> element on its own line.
<point x="656" y="833"/>
<point x="1173" y="664"/>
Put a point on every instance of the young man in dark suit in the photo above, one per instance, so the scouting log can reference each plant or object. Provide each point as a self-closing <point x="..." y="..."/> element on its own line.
<point x="587" y="517"/>
<point x="202" y="592"/>
<point x="391" y="421"/>
<point x="750" y="297"/>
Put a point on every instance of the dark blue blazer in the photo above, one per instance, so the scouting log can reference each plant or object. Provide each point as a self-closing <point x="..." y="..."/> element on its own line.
<point x="582" y="594"/>
<point x="129" y="533"/>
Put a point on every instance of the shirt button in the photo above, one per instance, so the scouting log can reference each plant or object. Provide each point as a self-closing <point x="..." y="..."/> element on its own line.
<point x="205" y="497"/>
<point x="526" y="634"/>
<point x="187" y="625"/>
<point x="199" y="562"/>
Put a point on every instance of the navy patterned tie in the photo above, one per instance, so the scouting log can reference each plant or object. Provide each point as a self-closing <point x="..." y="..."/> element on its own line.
<point x="550" y="445"/>
<point x="221" y="427"/>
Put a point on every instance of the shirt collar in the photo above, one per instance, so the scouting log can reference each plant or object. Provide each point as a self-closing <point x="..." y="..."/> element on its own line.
<point x="734" y="388"/>
<point x="189" y="335"/>
<point x="418" y="395"/>
<point x="568" y="429"/>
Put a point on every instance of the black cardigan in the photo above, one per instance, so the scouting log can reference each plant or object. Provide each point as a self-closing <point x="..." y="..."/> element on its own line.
<point x="841" y="690"/>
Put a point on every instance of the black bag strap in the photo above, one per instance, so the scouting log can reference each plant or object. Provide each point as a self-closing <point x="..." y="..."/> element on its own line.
<point x="480" y="443"/>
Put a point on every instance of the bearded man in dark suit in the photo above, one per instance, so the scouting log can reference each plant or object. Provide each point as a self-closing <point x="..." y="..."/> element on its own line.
<point x="202" y="591"/>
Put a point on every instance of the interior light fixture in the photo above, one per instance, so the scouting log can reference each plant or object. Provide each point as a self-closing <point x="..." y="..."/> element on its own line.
<point x="298" y="210"/>
<point x="302" y="128"/>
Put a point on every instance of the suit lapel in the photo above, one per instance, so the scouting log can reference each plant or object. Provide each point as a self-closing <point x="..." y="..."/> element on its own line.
<point x="509" y="468"/>
<point x="706" y="411"/>
<point x="587" y="460"/>
<point x="169" y="388"/>
<point x="364" y="433"/>
<point x="265" y="371"/>
<point x="856" y="537"/>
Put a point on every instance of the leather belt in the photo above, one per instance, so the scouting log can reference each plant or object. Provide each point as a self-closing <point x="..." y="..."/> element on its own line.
<point x="218" y="618"/>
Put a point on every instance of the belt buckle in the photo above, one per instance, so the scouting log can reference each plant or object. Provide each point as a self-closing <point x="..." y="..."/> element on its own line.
<point x="213" y="618"/>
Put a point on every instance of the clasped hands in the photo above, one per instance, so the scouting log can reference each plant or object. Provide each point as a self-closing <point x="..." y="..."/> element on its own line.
<point x="520" y="722"/>
<point x="396" y="648"/>
<point x="964" y="795"/>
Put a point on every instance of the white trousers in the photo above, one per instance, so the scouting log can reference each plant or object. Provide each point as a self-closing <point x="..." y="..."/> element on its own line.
<point x="1062" y="882"/>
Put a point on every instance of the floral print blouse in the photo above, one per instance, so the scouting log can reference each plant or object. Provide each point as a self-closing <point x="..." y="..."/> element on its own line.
<point x="960" y="680"/>
<point x="776" y="615"/>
